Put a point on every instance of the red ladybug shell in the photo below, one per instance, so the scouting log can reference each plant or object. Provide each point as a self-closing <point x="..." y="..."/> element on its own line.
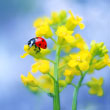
<point x="41" y="42"/>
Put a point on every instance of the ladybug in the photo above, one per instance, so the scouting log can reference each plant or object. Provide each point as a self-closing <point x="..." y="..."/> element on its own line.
<point x="38" y="42"/>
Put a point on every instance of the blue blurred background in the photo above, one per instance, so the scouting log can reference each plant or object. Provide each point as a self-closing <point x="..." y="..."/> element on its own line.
<point x="16" y="18"/>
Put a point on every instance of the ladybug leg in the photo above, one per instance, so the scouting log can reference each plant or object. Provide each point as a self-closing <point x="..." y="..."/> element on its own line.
<point x="37" y="49"/>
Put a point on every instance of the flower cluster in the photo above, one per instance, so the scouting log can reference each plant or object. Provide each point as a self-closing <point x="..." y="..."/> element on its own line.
<point x="95" y="86"/>
<point x="60" y="29"/>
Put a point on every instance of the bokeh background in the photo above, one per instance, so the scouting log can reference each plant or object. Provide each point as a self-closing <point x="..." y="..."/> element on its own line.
<point x="16" y="19"/>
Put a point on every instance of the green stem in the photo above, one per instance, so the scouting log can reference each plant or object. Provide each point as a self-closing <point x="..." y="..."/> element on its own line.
<point x="49" y="60"/>
<point x="74" y="103"/>
<point x="51" y="76"/>
<point x="56" y="84"/>
<point x="76" y="90"/>
<point x="73" y="84"/>
<point x="53" y="40"/>
<point x="62" y="66"/>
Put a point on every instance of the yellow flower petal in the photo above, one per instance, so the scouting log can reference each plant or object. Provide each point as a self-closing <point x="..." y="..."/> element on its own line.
<point x="24" y="79"/>
<point x="62" y="83"/>
<point x="100" y="92"/>
<point x="84" y="66"/>
<point x="82" y="26"/>
<point x="42" y="65"/>
<point x="24" y="55"/>
<point x="101" y="81"/>
<point x="95" y="86"/>
<point x="92" y="91"/>
<point x="67" y="72"/>
<point x="45" y="31"/>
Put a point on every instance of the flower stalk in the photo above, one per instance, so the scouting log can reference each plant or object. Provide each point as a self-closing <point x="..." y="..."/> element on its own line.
<point x="76" y="90"/>
<point x="56" y="84"/>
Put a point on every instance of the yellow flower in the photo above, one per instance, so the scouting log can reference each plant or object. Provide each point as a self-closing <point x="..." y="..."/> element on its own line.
<point x="69" y="79"/>
<point x="81" y="59"/>
<point x="107" y="59"/>
<point x="41" y="21"/>
<point x="55" y="18"/>
<point x="44" y="31"/>
<point x="79" y="42"/>
<point x="71" y="72"/>
<point x="46" y="83"/>
<point x="98" y="49"/>
<point x="95" y="86"/>
<point x="100" y="64"/>
<point x="41" y="65"/>
<point x="58" y="18"/>
<point x="92" y="66"/>
<point x="33" y="89"/>
<point x="62" y="83"/>
<point x="62" y="15"/>
<point x="32" y="51"/>
<point x="76" y="71"/>
<point x="62" y="32"/>
<point x="64" y="35"/>
<point x="67" y="72"/>
<point x="72" y="22"/>
<point x="67" y="49"/>
<point x="82" y="26"/>
<point x="69" y="39"/>
<point x="42" y="27"/>
<point x="69" y="75"/>
<point x="29" y="80"/>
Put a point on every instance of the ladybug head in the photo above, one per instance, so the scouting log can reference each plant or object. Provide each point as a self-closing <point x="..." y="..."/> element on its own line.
<point x="31" y="42"/>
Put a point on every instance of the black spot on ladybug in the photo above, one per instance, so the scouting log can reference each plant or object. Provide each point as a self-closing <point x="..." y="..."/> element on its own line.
<point x="42" y="40"/>
<point x="39" y="44"/>
<point x="45" y="46"/>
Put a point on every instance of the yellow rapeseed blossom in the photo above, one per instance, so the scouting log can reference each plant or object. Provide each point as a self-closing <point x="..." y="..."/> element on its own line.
<point x="68" y="72"/>
<point x="107" y="59"/>
<point x="71" y="72"/>
<point x="69" y="79"/>
<point x="69" y="75"/>
<point x="45" y="31"/>
<point x="41" y="65"/>
<point x="73" y="21"/>
<point x="80" y="59"/>
<point x="80" y="43"/>
<point x="62" y="32"/>
<point x="64" y="35"/>
<point x="96" y="86"/>
<point x="29" y="80"/>
<point x="100" y="64"/>
<point x="46" y="83"/>
<point x="41" y="22"/>
<point x="62" y="15"/>
<point x="42" y="26"/>
<point x="55" y="18"/>
<point x="58" y="18"/>
<point x="62" y="83"/>
<point x="98" y="49"/>
<point x="32" y="51"/>
<point x="34" y="89"/>
<point x="92" y="66"/>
